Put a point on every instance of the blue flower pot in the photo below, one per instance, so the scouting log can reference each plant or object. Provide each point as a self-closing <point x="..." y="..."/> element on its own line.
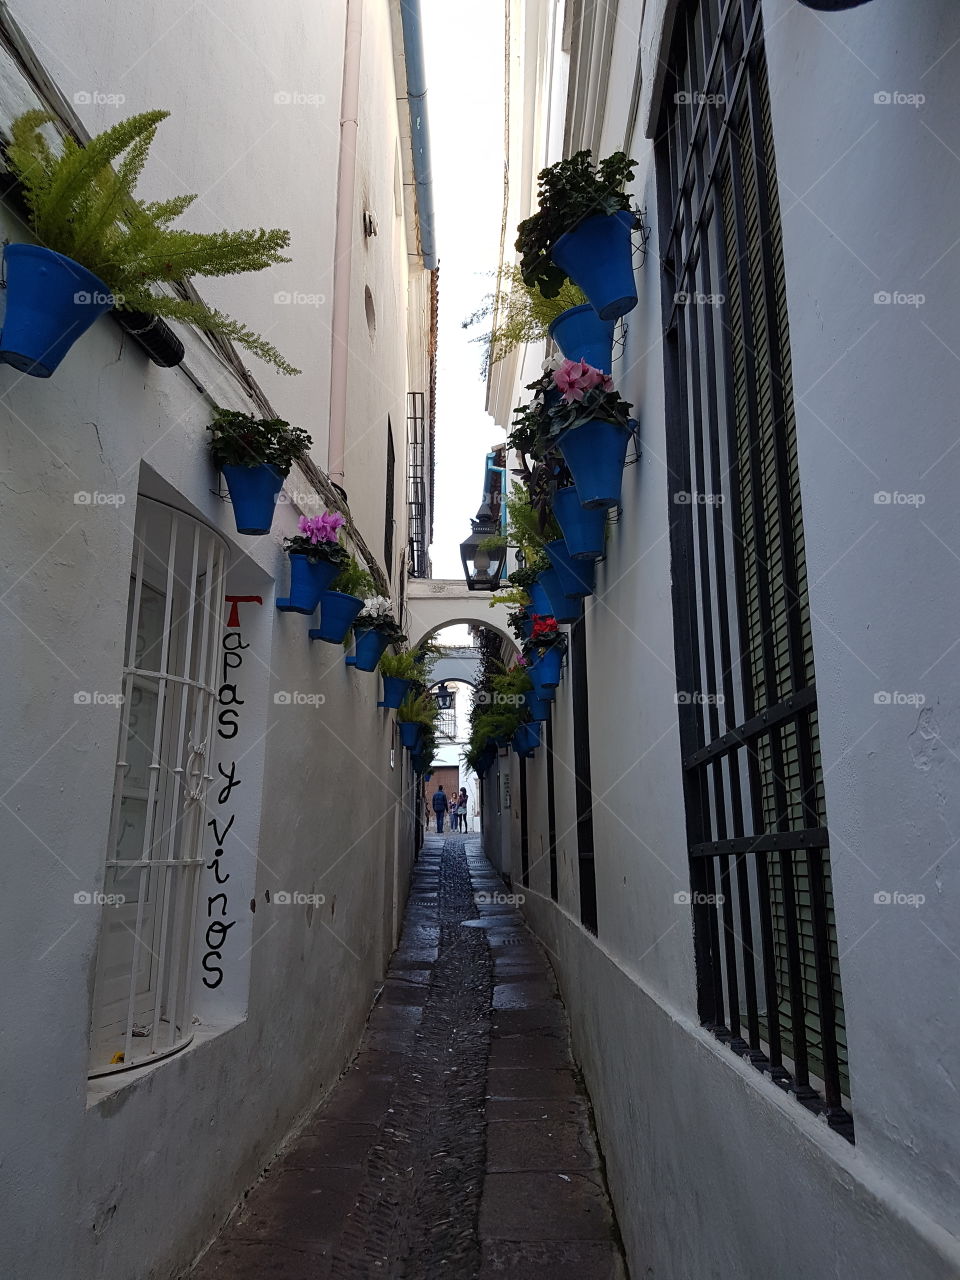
<point x="253" y="492"/>
<point x="577" y="578"/>
<point x="526" y="627"/>
<point x="526" y="739"/>
<point x="598" y="256"/>
<point x="563" y="607"/>
<point x="538" y="707"/>
<point x="369" y="647"/>
<point x="582" y="335"/>
<point x="409" y="731"/>
<point x="51" y="301"/>
<point x="394" y="691"/>
<point x="595" y="454"/>
<point x="338" y="612"/>
<point x="584" y="528"/>
<point x="539" y="600"/>
<point x="309" y="579"/>
<point x="548" y="668"/>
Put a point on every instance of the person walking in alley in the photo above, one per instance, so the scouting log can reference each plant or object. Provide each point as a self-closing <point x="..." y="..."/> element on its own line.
<point x="440" y="806"/>
<point x="463" y="803"/>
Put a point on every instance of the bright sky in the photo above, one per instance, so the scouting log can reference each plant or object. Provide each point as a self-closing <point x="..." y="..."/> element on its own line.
<point x="464" y="59"/>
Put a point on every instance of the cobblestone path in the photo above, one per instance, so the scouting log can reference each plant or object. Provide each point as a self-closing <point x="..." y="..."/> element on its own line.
<point x="459" y="1144"/>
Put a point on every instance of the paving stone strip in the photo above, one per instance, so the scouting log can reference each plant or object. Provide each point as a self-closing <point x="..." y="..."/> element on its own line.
<point x="459" y="1144"/>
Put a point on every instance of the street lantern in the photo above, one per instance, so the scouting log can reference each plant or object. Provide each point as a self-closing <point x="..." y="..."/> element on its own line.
<point x="483" y="564"/>
<point x="444" y="696"/>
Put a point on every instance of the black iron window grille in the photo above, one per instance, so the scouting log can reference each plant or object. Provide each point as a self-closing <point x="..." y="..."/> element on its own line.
<point x="766" y="947"/>
<point x="416" y="485"/>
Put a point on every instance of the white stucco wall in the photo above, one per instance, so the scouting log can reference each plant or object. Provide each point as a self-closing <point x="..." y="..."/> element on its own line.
<point x="132" y="1178"/>
<point x="713" y="1170"/>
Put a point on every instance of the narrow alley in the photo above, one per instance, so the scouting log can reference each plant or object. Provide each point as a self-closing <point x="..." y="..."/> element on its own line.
<point x="460" y="1141"/>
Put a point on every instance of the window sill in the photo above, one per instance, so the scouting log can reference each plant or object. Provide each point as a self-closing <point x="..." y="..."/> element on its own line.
<point x="103" y="1088"/>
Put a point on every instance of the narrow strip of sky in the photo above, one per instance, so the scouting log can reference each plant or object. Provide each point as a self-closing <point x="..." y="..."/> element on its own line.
<point x="465" y="99"/>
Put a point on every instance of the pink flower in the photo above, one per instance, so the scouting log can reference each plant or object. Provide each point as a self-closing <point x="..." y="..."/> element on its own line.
<point x="321" y="528"/>
<point x="574" y="377"/>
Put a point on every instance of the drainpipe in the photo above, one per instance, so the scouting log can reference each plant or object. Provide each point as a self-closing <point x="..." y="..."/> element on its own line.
<point x="343" y="241"/>
<point x="412" y="21"/>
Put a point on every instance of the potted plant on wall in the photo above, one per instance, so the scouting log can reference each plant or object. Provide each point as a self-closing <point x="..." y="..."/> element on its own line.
<point x="399" y="671"/>
<point x="543" y="654"/>
<point x="254" y="454"/>
<point x="342" y="602"/>
<point x="590" y="426"/>
<point x="417" y="712"/>
<point x="582" y="230"/>
<point x="101" y="247"/>
<point x="520" y="315"/>
<point x="316" y="557"/>
<point x="374" y="630"/>
<point x="584" y="528"/>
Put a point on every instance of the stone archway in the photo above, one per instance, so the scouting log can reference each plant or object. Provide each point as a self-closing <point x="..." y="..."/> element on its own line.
<point x="435" y="603"/>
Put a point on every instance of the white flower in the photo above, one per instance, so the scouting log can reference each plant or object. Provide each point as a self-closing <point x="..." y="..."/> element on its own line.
<point x="552" y="363"/>
<point x="377" y="607"/>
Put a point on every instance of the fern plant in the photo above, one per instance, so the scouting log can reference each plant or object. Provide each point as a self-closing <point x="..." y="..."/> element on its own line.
<point x="402" y="666"/>
<point x="519" y="314"/>
<point x="81" y="203"/>
<point x="354" y="581"/>
<point x="418" y="707"/>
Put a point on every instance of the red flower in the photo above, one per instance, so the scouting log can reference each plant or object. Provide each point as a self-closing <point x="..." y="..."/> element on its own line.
<point x="544" y="625"/>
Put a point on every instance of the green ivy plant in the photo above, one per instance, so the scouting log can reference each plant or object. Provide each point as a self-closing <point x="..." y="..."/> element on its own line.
<point x="569" y="192"/>
<point x="242" y="440"/>
<point x="81" y="206"/>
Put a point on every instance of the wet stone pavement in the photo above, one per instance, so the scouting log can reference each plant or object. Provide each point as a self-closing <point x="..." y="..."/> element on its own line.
<point x="459" y="1143"/>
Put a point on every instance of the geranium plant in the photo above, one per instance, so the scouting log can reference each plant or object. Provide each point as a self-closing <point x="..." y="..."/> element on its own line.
<point x="241" y="440"/>
<point x="377" y="615"/>
<point x="319" y="539"/>
<point x="545" y="634"/>
<point x="569" y="192"/>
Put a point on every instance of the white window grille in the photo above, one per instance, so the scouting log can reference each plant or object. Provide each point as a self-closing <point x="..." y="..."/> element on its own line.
<point x="143" y="996"/>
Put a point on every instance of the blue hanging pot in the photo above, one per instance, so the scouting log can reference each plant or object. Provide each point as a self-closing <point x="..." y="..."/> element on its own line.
<point x="539" y="600"/>
<point x="577" y="577"/>
<point x="253" y="492"/>
<point x="598" y="256"/>
<point x="409" y="731"/>
<point x="308" y="581"/>
<point x="582" y="335"/>
<point x="526" y="626"/>
<point x="526" y="739"/>
<point x="369" y="647"/>
<point x="595" y="454"/>
<point x="545" y="692"/>
<point x="548" y="667"/>
<point x="51" y="302"/>
<point x="338" y="612"/>
<point x="584" y="528"/>
<point x="563" y="607"/>
<point x="394" y="691"/>
<point x="538" y="707"/>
